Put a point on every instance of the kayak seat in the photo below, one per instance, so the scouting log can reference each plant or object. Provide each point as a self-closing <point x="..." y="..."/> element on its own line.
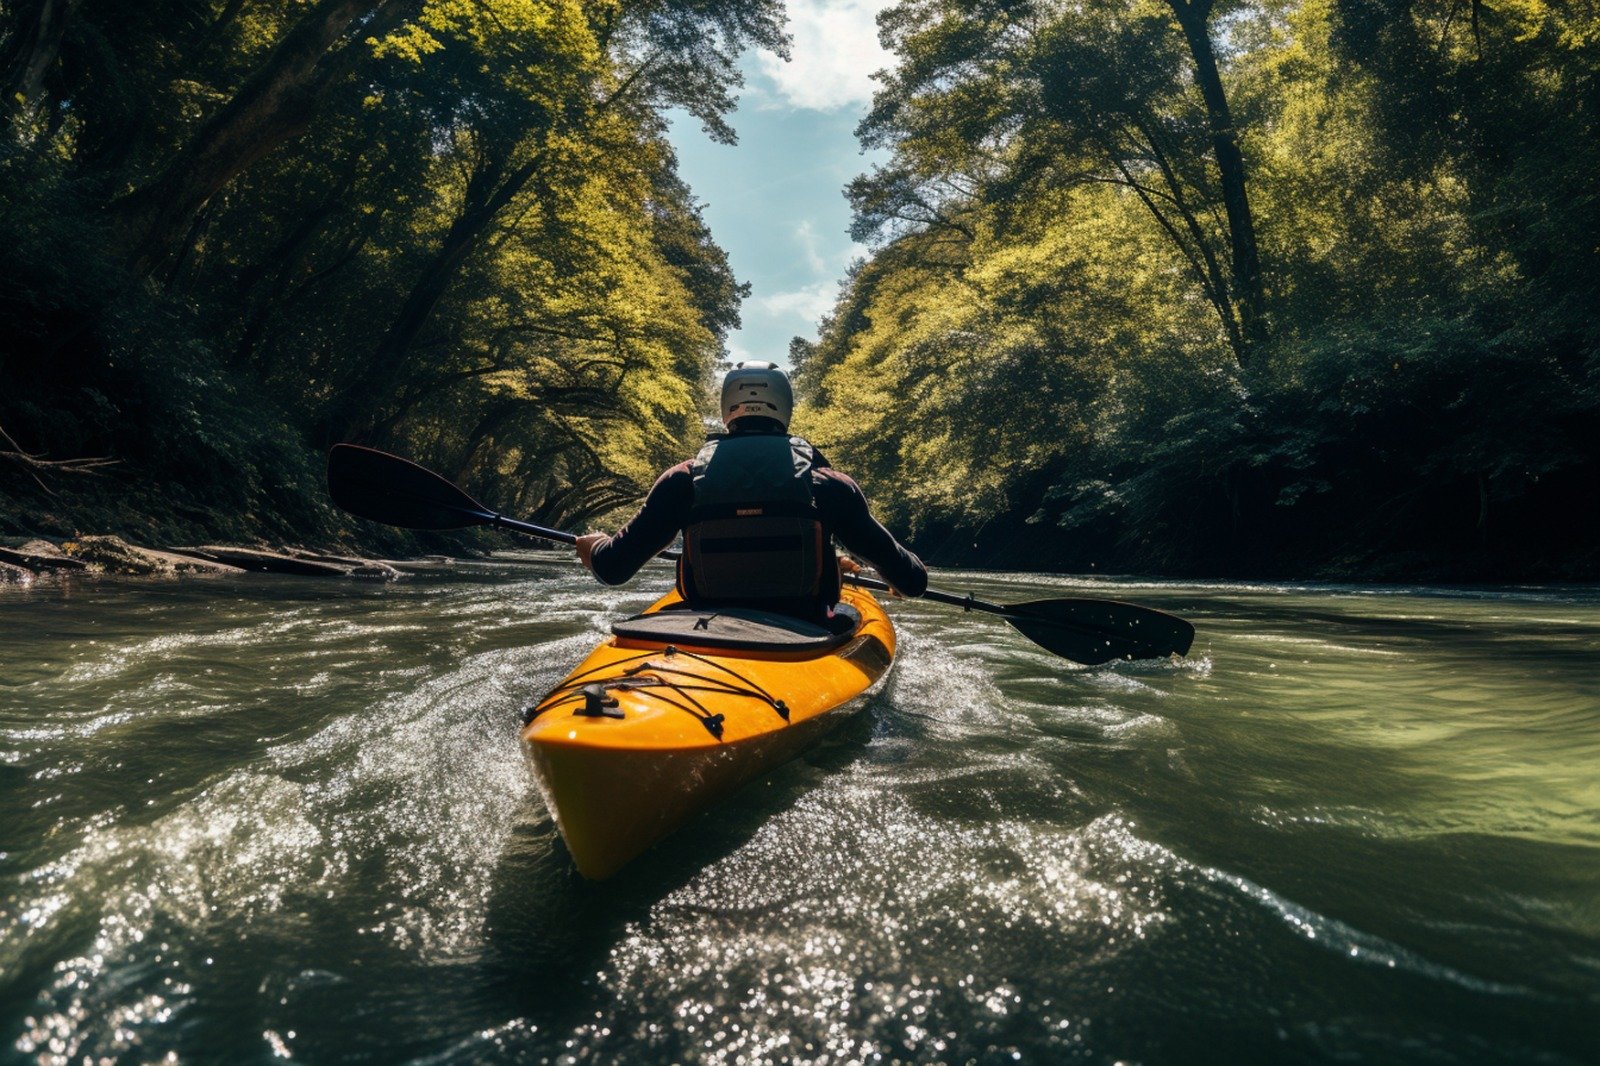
<point x="739" y="629"/>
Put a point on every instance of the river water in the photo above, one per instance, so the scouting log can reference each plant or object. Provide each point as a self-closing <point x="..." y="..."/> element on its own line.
<point x="247" y="819"/>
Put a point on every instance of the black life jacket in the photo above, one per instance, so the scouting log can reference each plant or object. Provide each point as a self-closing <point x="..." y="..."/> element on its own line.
<point x="754" y="535"/>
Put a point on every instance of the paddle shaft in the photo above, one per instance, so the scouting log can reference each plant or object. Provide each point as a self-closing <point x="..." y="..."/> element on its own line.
<point x="1020" y="616"/>
<point x="500" y="521"/>
<point x="970" y="602"/>
<point x="561" y="536"/>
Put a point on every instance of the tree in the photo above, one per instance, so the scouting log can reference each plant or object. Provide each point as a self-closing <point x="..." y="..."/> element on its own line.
<point x="241" y="230"/>
<point x="1030" y="366"/>
<point x="276" y="103"/>
<point x="988" y="101"/>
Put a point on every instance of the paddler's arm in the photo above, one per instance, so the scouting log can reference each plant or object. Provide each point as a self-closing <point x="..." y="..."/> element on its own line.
<point x="616" y="559"/>
<point x="844" y="508"/>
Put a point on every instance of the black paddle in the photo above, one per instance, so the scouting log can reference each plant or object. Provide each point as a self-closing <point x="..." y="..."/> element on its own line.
<point x="397" y="492"/>
<point x="1083" y="630"/>
<point x="385" y="488"/>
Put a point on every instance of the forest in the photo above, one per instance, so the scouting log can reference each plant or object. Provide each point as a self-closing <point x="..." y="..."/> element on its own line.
<point x="240" y="231"/>
<point x="1307" y="287"/>
<point x="1190" y="286"/>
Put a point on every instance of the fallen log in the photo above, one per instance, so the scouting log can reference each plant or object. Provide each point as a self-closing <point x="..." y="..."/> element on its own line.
<point x="113" y="555"/>
<point x="266" y="562"/>
<point x="369" y="568"/>
<point x="41" y="555"/>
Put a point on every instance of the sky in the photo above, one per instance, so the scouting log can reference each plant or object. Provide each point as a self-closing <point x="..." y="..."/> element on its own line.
<point x="775" y="200"/>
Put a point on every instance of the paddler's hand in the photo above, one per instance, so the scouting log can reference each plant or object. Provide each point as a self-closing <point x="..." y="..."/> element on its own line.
<point x="586" y="544"/>
<point x="848" y="565"/>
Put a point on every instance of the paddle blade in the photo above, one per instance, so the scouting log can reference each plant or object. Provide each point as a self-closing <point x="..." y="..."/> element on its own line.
<point x="1101" y="631"/>
<point x="386" y="488"/>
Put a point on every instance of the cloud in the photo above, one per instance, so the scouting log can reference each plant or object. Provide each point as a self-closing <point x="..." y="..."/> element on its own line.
<point x="834" y="53"/>
<point x="810" y="247"/>
<point x="809" y="303"/>
<point x="819" y="258"/>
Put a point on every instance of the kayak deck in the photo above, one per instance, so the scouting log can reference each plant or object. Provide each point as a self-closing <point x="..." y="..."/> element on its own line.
<point x="644" y="734"/>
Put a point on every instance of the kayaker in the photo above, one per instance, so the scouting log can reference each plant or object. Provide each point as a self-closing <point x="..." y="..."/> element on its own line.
<point x="759" y="511"/>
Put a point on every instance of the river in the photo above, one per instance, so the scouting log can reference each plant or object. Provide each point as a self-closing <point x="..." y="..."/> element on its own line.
<point x="253" y="818"/>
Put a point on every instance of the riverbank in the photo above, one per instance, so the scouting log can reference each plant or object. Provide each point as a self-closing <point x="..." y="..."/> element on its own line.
<point x="34" y="558"/>
<point x="1512" y="556"/>
<point x="118" y="524"/>
<point x="296" y="517"/>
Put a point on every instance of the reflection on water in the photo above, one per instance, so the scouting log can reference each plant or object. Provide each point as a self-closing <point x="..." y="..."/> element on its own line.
<point x="255" y="818"/>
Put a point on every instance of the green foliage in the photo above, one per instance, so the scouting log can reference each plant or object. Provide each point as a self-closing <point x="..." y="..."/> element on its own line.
<point x="241" y="231"/>
<point x="1037" y="349"/>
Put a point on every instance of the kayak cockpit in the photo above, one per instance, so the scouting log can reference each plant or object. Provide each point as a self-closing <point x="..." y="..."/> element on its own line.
<point x="739" y="629"/>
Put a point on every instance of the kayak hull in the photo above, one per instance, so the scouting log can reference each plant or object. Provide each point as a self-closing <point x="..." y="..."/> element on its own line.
<point x="613" y="805"/>
<point x="618" y="782"/>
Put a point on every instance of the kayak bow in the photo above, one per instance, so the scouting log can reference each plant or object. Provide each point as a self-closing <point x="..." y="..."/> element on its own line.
<point x="680" y="707"/>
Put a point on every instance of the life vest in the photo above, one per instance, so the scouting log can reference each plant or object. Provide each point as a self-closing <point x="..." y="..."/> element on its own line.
<point x="754" y="535"/>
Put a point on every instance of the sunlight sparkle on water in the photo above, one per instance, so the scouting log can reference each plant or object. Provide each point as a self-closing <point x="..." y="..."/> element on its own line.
<point x="296" y="823"/>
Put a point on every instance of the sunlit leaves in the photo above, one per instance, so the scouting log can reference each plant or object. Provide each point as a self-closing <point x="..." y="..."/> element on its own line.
<point x="1032" y="341"/>
<point x="468" y="244"/>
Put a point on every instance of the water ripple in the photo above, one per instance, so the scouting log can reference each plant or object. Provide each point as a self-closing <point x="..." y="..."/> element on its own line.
<point x="250" y="819"/>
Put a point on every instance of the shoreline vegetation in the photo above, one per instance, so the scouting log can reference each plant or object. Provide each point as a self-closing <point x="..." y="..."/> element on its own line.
<point x="1307" y="288"/>
<point x="240" y="233"/>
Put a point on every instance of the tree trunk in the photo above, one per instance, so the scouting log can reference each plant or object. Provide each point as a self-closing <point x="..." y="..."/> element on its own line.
<point x="384" y="370"/>
<point x="1194" y="16"/>
<point x="486" y="197"/>
<point x="491" y="423"/>
<point x="33" y="53"/>
<point x="282" y="262"/>
<point x="1202" y="257"/>
<point x="274" y="105"/>
<point x="1483" y="513"/>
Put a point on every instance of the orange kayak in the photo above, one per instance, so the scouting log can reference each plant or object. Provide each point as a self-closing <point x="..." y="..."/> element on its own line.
<point x="679" y="707"/>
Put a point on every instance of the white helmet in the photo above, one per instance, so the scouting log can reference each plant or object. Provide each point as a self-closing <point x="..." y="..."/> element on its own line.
<point x="757" y="389"/>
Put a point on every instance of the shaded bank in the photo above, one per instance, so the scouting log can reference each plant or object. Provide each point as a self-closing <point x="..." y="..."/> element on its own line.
<point x="1556" y="544"/>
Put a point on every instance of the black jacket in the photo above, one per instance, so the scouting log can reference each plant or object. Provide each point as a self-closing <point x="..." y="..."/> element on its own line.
<point x="840" y="503"/>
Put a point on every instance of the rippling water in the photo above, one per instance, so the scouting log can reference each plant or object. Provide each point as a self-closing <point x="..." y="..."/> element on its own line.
<point x="253" y="818"/>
